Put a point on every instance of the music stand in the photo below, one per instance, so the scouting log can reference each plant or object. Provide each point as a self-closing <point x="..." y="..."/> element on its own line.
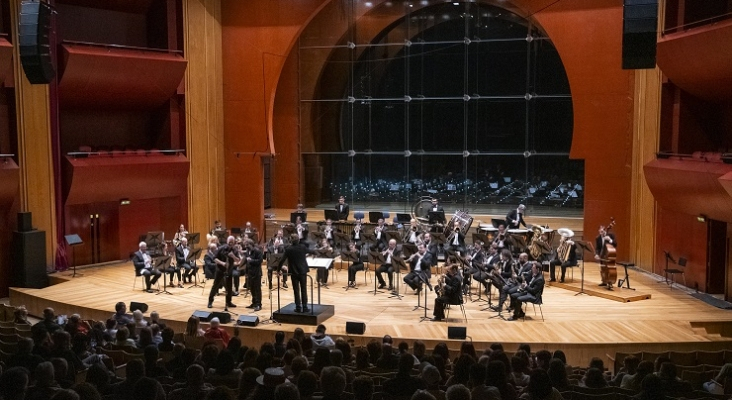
<point x="408" y="249"/>
<point x="369" y="238"/>
<point x="73" y="240"/>
<point x="331" y="215"/>
<point x="403" y="218"/>
<point x="375" y="216"/>
<point x="161" y="262"/>
<point x="340" y="239"/>
<point x="193" y="257"/>
<point x="392" y="235"/>
<point x="397" y="263"/>
<point x="318" y="236"/>
<point x="349" y="257"/>
<point x="584" y="246"/>
<point x="303" y="217"/>
<point x="194" y="238"/>
<point x="376" y="258"/>
<point x="273" y="260"/>
<point x="436" y="217"/>
<point x="153" y="240"/>
<point x="236" y="231"/>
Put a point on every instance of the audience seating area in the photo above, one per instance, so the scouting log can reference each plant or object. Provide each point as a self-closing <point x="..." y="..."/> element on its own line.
<point x="117" y="358"/>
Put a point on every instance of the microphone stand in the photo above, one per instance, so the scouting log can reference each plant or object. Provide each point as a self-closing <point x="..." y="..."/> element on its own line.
<point x="425" y="317"/>
<point x="583" y="246"/>
<point x="271" y="319"/>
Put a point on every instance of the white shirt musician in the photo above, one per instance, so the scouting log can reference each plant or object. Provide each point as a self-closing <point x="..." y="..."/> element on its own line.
<point x="413" y="233"/>
<point x="328" y="230"/>
<point x="389" y="253"/>
<point x="420" y="269"/>
<point x="379" y="230"/>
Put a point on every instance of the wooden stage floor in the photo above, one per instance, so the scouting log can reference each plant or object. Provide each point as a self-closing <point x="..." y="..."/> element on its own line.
<point x="584" y="326"/>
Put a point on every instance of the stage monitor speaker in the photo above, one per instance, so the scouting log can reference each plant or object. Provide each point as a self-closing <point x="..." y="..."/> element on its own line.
<point x="248" y="320"/>
<point x="223" y="317"/>
<point x="355" y="328"/>
<point x="457" y="332"/>
<point x="203" y="316"/>
<point x="25" y="222"/>
<point x="34" y="30"/>
<point x="640" y="25"/>
<point x="29" y="259"/>
<point x="138" y="306"/>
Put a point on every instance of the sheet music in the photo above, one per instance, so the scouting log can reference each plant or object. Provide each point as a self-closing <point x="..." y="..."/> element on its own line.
<point x="318" y="262"/>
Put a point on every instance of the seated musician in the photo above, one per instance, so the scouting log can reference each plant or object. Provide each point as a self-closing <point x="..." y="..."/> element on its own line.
<point x="500" y="239"/>
<point x="342" y="209"/>
<point x="379" y="230"/>
<point x="329" y="231"/>
<point x="566" y="255"/>
<point x="143" y="265"/>
<point x="603" y="238"/>
<point x="420" y="265"/>
<point x="301" y="229"/>
<point x="209" y="263"/>
<point x="357" y="232"/>
<point x="456" y="239"/>
<point x="217" y="230"/>
<point x="515" y="218"/>
<point x="475" y="258"/>
<point x="355" y="252"/>
<point x="523" y="272"/>
<point x="182" y="232"/>
<point x="324" y="249"/>
<point x="482" y="273"/>
<point x="530" y="291"/>
<point x="276" y="245"/>
<point x="430" y="246"/>
<point x="172" y="269"/>
<point x="181" y="258"/>
<point x="390" y="252"/>
<point x="411" y="235"/>
<point x="249" y="231"/>
<point x="449" y="293"/>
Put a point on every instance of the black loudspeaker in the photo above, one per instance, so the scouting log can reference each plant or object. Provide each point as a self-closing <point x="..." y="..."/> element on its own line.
<point x="203" y="316"/>
<point x="25" y="222"/>
<point x="138" y="306"/>
<point x="34" y="29"/>
<point x="248" y="320"/>
<point x="223" y="317"/>
<point x="29" y="259"/>
<point x="355" y="328"/>
<point x="640" y="24"/>
<point x="457" y="332"/>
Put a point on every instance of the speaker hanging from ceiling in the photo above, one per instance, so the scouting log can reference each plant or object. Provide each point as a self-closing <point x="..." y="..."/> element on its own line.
<point x="640" y="25"/>
<point x="34" y="31"/>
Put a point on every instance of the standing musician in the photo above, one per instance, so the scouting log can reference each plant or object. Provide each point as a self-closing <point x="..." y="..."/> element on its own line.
<point x="324" y="249"/>
<point x="356" y="266"/>
<point x="209" y="261"/>
<point x="500" y="239"/>
<point x="530" y="291"/>
<point x="566" y="254"/>
<point x="182" y="232"/>
<point x="482" y="273"/>
<point x="603" y="238"/>
<point x="515" y="218"/>
<point x="181" y="258"/>
<point x="342" y="209"/>
<point x="143" y="265"/>
<point x="226" y="260"/>
<point x="240" y="266"/>
<point x="276" y="245"/>
<point x="420" y="264"/>
<point x="329" y="231"/>
<point x="411" y="236"/>
<point x="254" y="273"/>
<point x="520" y="274"/>
<point x="379" y="230"/>
<point x="456" y="239"/>
<point x="295" y="255"/>
<point x="449" y="293"/>
<point x="436" y="206"/>
<point x="390" y="252"/>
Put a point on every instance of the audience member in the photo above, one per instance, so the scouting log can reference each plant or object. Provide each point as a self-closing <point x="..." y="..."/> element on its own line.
<point x="216" y="332"/>
<point x="716" y="385"/>
<point x="195" y="387"/>
<point x="633" y="382"/>
<point x="540" y="387"/>
<point x="86" y="391"/>
<point x="307" y="384"/>
<point x="457" y="392"/>
<point x="120" y="314"/>
<point x="431" y="376"/>
<point x="403" y="383"/>
<point x="321" y="340"/>
<point x="363" y="388"/>
<point x="193" y="327"/>
<point x="332" y="383"/>
<point x="286" y="391"/>
<point x="45" y="385"/>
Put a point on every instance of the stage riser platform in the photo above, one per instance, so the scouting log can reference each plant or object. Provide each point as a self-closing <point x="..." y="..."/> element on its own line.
<point x="318" y="315"/>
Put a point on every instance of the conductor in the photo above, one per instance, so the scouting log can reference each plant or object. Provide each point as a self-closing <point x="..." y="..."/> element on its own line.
<point x="295" y="254"/>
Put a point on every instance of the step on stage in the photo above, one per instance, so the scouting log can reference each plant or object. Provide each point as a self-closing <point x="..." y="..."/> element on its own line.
<point x="583" y="326"/>
<point x="317" y="315"/>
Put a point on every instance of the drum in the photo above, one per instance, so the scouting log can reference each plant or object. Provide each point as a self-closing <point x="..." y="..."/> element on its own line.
<point x="520" y="237"/>
<point x="488" y="230"/>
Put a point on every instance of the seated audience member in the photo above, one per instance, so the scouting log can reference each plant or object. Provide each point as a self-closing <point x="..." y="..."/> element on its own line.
<point x="134" y="371"/>
<point x="716" y="385"/>
<point x="216" y="332"/>
<point x="633" y="382"/>
<point x="363" y="388"/>
<point x="122" y="339"/>
<point x="86" y="391"/>
<point x="139" y="318"/>
<point x="321" y="340"/>
<point x="558" y="374"/>
<point x="98" y="377"/>
<point x="320" y="360"/>
<point x="540" y="387"/>
<point x="286" y="391"/>
<point x="497" y="376"/>
<point x="247" y="382"/>
<point x="389" y="360"/>
<point x="152" y="369"/>
<point x="651" y="389"/>
<point x="594" y="378"/>
<point x="332" y="383"/>
<point x="148" y="389"/>
<point x="630" y="364"/>
<point x="24" y="357"/>
<point x="193" y="327"/>
<point x="224" y="371"/>
<point x="45" y="385"/>
<point x="422" y="395"/>
<point x="14" y="383"/>
<point x="307" y="384"/>
<point x="671" y="382"/>
<point x="195" y="388"/>
<point x="47" y="325"/>
<point x="431" y="376"/>
<point x="457" y="392"/>
<point x="403" y="383"/>
<point x="61" y="373"/>
<point x="120" y="314"/>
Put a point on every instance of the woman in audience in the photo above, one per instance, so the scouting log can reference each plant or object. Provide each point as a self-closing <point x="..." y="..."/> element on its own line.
<point x="62" y="349"/>
<point x="461" y="370"/>
<point x="469" y="349"/>
<point x="99" y="378"/>
<point x="540" y="387"/>
<point x="362" y="360"/>
<point x="225" y="371"/>
<point x="20" y="316"/>
<point x="496" y="376"/>
<point x="145" y="338"/>
<point x="139" y="319"/>
<point x="630" y="364"/>
<point x="193" y="327"/>
<point x="250" y="359"/>
<point x="442" y="351"/>
<point x="166" y="344"/>
<point x="45" y="385"/>
<point x="295" y="345"/>
<point x="671" y="382"/>
<point x="248" y="382"/>
<point x="633" y="382"/>
<point x="594" y="379"/>
<point x="374" y="349"/>
<point x="558" y="375"/>
<point x="307" y="384"/>
<point x="559" y="354"/>
<point x="345" y="349"/>
<point x="716" y="385"/>
<point x="518" y="366"/>
<point x="320" y="361"/>
<point x="363" y="388"/>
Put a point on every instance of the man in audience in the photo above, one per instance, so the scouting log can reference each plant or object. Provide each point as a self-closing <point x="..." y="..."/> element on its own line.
<point x="216" y="332"/>
<point x="431" y="376"/>
<point x="14" y="384"/>
<point x="403" y="383"/>
<point x="45" y="383"/>
<point x="457" y="392"/>
<point x="195" y="388"/>
<point x="134" y="371"/>
<point x="120" y="314"/>
<point x="24" y="357"/>
<point x="332" y="383"/>
<point x="47" y="325"/>
<point x="363" y="388"/>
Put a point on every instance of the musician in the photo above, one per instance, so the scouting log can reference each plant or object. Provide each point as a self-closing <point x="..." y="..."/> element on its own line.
<point x="456" y="239"/>
<point x="390" y="252"/>
<point x="354" y="251"/>
<point x="301" y="229"/>
<point x="276" y="245"/>
<point x="181" y="259"/>
<point x="329" y="231"/>
<point x="411" y="236"/>
<point x="324" y="249"/>
<point x="226" y="261"/>
<point x="357" y="232"/>
<point x="342" y="209"/>
<point x="436" y="207"/>
<point x="522" y="274"/>
<point x="515" y="218"/>
<point x="249" y="231"/>
<point x="217" y="230"/>
<point x="528" y="292"/>
<point x="182" y="232"/>
<point x="300" y="209"/>
<point x="500" y="239"/>
<point x="254" y="273"/>
<point x="295" y="255"/>
<point x="143" y="265"/>
<point x="603" y="238"/>
<point x="482" y="273"/>
<point x="239" y="265"/>
<point x="209" y="261"/>
<point x="420" y="264"/>
<point x="430" y="246"/>
<point x="379" y="230"/>
<point x="566" y="255"/>
<point x="475" y="258"/>
<point x="171" y="269"/>
<point x="449" y="294"/>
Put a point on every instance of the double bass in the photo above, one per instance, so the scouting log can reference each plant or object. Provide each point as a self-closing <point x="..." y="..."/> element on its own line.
<point x="608" y="269"/>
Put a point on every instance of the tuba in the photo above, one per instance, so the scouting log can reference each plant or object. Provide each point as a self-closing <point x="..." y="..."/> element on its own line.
<point x="564" y="247"/>
<point x="534" y="248"/>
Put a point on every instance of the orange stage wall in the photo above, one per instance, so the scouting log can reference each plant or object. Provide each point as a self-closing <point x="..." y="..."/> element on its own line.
<point x="261" y="109"/>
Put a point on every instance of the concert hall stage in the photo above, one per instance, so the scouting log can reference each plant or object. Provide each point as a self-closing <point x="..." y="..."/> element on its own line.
<point x="584" y="326"/>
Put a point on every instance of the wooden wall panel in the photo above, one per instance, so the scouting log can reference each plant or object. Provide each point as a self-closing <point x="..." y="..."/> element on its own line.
<point x="204" y="113"/>
<point x="683" y="236"/>
<point x="286" y="189"/>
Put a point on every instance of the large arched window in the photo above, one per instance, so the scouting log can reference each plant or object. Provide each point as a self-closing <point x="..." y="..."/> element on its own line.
<point x="463" y="101"/>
